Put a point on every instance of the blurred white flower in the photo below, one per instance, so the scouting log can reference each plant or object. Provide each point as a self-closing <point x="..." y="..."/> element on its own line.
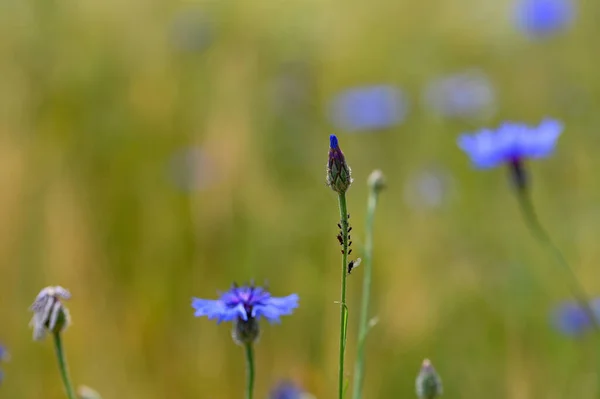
<point x="428" y="188"/>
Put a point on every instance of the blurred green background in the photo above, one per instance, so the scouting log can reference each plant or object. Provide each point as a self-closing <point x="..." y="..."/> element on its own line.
<point x="151" y="151"/>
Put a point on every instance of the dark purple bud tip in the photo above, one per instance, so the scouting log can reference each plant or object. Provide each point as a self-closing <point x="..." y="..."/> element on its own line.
<point x="333" y="141"/>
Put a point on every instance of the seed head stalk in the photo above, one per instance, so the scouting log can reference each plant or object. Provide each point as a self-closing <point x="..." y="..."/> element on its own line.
<point x="376" y="184"/>
<point x="62" y="365"/>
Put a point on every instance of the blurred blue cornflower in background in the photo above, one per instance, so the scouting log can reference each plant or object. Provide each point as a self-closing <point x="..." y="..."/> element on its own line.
<point x="3" y="357"/>
<point x="510" y="143"/>
<point x="291" y="88"/>
<point x="428" y="188"/>
<point x="368" y="108"/>
<point x="571" y="319"/>
<point x="461" y="95"/>
<point x="191" y="169"/>
<point x="541" y="18"/>
<point x="191" y="31"/>
<point x="288" y="390"/>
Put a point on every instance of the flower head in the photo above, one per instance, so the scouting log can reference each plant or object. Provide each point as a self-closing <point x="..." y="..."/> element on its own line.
<point x="338" y="172"/>
<point x="49" y="314"/>
<point x="369" y="108"/>
<point x="244" y="306"/>
<point x="541" y="18"/>
<point x="511" y="142"/>
<point x="376" y="181"/>
<point x="571" y="318"/>
<point x="428" y="384"/>
<point x="85" y="392"/>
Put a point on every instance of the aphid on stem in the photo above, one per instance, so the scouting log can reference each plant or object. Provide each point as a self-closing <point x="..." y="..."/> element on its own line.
<point x="353" y="264"/>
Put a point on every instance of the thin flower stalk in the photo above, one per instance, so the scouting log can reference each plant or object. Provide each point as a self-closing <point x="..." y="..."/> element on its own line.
<point x="339" y="179"/>
<point x="376" y="184"/>
<point x="249" y="370"/>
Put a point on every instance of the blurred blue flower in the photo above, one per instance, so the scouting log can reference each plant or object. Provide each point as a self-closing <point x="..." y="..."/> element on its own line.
<point x="244" y="303"/>
<point x="286" y="390"/>
<point x="3" y="357"/>
<point x="511" y="143"/>
<point x="191" y="31"/>
<point x="465" y="94"/>
<point x="571" y="319"/>
<point x="368" y="108"/>
<point x="428" y="188"/>
<point x="540" y="18"/>
<point x="291" y="88"/>
<point x="191" y="169"/>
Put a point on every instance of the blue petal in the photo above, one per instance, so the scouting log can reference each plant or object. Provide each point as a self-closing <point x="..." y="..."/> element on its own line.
<point x="275" y="307"/>
<point x="217" y="309"/>
<point x="541" y="141"/>
<point x="482" y="149"/>
<point x="333" y="141"/>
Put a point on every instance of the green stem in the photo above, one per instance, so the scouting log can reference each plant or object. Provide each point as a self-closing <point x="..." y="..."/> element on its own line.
<point x="540" y="233"/>
<point x="62" y="365"/>
<point x="577" y="289"/>
<point x="249" y="370"/>
<point x="363" y="324"/>
<point x="343" y="308"/>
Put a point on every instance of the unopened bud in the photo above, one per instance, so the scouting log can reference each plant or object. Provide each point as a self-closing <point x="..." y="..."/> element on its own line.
<point x="49" y="314"/>
<point x="338" y="172"/>
<point x="85" y="392"/>
<point x="428" y="384"/>
<point x="245" y="331"/>
<point x="376" y="181"/>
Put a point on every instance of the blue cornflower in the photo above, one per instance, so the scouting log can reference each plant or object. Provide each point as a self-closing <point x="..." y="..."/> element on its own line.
<point x="244" y="306"/>
<point x="368" y="108"/>
<point x="571" y="319"/>
<point x="286" y="390"/>
<point x="540" y="18"/>
<point x="511" y="142"/>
